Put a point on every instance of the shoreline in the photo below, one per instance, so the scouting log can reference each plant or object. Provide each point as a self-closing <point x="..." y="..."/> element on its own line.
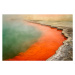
<point x="65" y="51"/>
<point x="45" y="47"/>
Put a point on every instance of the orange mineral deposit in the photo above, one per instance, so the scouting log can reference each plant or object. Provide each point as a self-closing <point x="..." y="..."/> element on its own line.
<point x="45" y="47"/>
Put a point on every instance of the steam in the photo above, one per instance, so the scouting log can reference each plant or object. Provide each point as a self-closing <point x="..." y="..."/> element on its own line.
<point x="17" y="37"/>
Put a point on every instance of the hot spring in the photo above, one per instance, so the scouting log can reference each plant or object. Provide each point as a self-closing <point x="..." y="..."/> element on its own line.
<point x="29" y="41"/>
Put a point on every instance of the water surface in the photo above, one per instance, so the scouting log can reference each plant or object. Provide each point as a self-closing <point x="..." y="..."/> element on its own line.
<point x="25" y="41"/>
<point x="17" y="36"/>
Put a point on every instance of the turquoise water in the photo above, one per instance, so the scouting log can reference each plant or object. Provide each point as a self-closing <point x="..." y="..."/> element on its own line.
<point x="17" y="37"/>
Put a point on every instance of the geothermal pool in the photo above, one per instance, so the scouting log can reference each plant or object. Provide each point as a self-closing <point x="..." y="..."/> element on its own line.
<point x="24" y="41"/>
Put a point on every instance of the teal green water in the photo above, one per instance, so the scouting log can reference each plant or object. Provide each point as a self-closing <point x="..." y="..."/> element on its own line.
<point x="17" y="37"/>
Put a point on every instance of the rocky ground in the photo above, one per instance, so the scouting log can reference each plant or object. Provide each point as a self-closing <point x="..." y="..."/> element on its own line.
<point x="64" y="52"/>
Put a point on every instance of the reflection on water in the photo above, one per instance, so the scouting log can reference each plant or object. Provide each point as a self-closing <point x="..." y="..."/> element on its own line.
<point x="17" y="36"/>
